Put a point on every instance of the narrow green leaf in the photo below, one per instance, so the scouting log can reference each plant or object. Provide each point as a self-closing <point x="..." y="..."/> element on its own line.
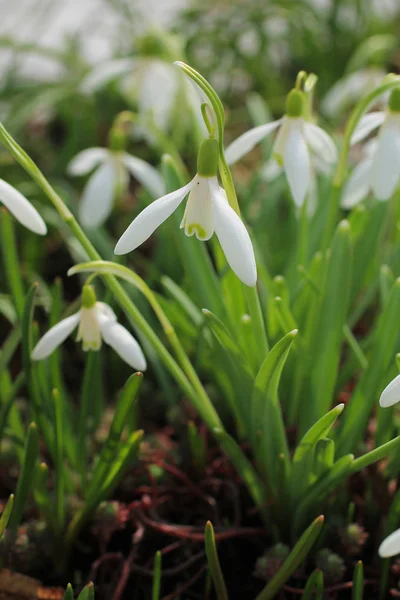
<point x="155" y="593"/>
<point x="373" y="379"/>
<point x="42" y="497"/>
<point x="69" y="593"/>
<point x="304" y="454"/>
<point x="26" y="477"/>
<point x="318" y="491"/>
<point x="294" y="560"/>
<point x="332" y="316"/>
<point x="87" y="593"/>
<point x="9" y="401"/>
<point x="197" y="447"/>
<point x="358" y="582"/>
<point x="5" y="517"/>
<point x="324" y="457"/>
<point x="213" y="563"/>
<point x="369" y="458"/>
<point x="59" y="463"/>
<point x="11" y="262"/>
<point x="9" y="347"/>
<point x="242" y="465"/>
<point x="125" y="405"/>
<point x="268" y="432"/>
<point x="314" y="589"/>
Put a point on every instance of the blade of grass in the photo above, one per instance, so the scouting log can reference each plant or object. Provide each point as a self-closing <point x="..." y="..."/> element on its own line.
<point x="295" y="558"/>
<point x="213" y="563"/>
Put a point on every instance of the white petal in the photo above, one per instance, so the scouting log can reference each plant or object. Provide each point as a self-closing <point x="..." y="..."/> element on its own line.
<point x="147" y="175"/>
<point x="357" y="186"/>
<point x="157" y="91"/>
<point x="124" y="344"/>
<point x="297" y="164"/>
<point x="55" y="336"/>
<point x="21" y="208"/>
<point x="149" y="219"/>
<point x="98" y="196"/>
<point x="87" y="160"/>
<point x="321" y="143"/>
<point x="246" y="142"/>
<point x="104" y="73"/>
<point x="385" y="170"/>
<point x="391" y="545"/>
<point x="198" y="218"/>
<point x="391" y="393"/>
<point x="366" y="125"/>
<point x="234" y="239"/>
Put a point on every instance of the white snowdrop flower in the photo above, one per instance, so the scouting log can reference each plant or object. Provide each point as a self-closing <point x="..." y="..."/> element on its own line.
<point x="140" y="79"/>
<point x="390" y="545"/>
<point x="96" y="321"/>
<point x="21" y="208"/>
<point x="391" y="393"/>
<point x="350" y="89"/>
<point x="380" y="170"/>
<point x="111" y="170"/>
<point x="295" y="139"/>
<point x="207" y="211"/>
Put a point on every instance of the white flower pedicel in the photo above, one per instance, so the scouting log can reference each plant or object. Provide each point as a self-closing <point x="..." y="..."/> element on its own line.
<point x="292" y="146"/>
<point x="96" y="321"/>
<point x="207" y="211"/>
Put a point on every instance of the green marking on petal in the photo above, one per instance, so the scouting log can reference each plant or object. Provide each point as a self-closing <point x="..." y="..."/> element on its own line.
<point x="278" y="158"/>
<point x="195" y="228"/>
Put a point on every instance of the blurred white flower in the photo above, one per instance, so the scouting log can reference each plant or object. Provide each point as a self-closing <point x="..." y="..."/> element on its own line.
<point x="207" y="211"/>
<point x="295" y="139"/>
<point x="154" y="84"/>
<point x="350" y="89"/>
<point x="21" y="208"/>
<point x="391" y="393"/>
<point x="390" y="545"/>
<point x="112" y="170"/>
<point x="97" y="322"/>
<point x="379" y="171"/>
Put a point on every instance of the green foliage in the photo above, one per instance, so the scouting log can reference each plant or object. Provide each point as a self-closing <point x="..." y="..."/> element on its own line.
<point x="282" y="379"/>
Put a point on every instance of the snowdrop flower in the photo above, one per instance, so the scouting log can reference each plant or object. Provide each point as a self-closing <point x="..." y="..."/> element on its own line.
<point x="207" y="211"/>
<point x="391" y="393"/>
<point x="380" y="170"/>
<point x="292" y="146"/>
<point x="141" y="78"/>
<point x="350" y="89"/>
<point x="390" y="545"/>
<point x="96" y="321"/>
<point x="21" y="208"/>
<point x="110" y="176"/>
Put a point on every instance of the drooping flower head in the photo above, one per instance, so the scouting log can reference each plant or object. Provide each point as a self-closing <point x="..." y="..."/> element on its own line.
<point x="111" y="169"/>
<point x="379" y="171"/>
<point x="207" y="211"/>
<point x="96" y="321"/>
<point x="21" y="208"/>
<point x="291" y="150"/>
